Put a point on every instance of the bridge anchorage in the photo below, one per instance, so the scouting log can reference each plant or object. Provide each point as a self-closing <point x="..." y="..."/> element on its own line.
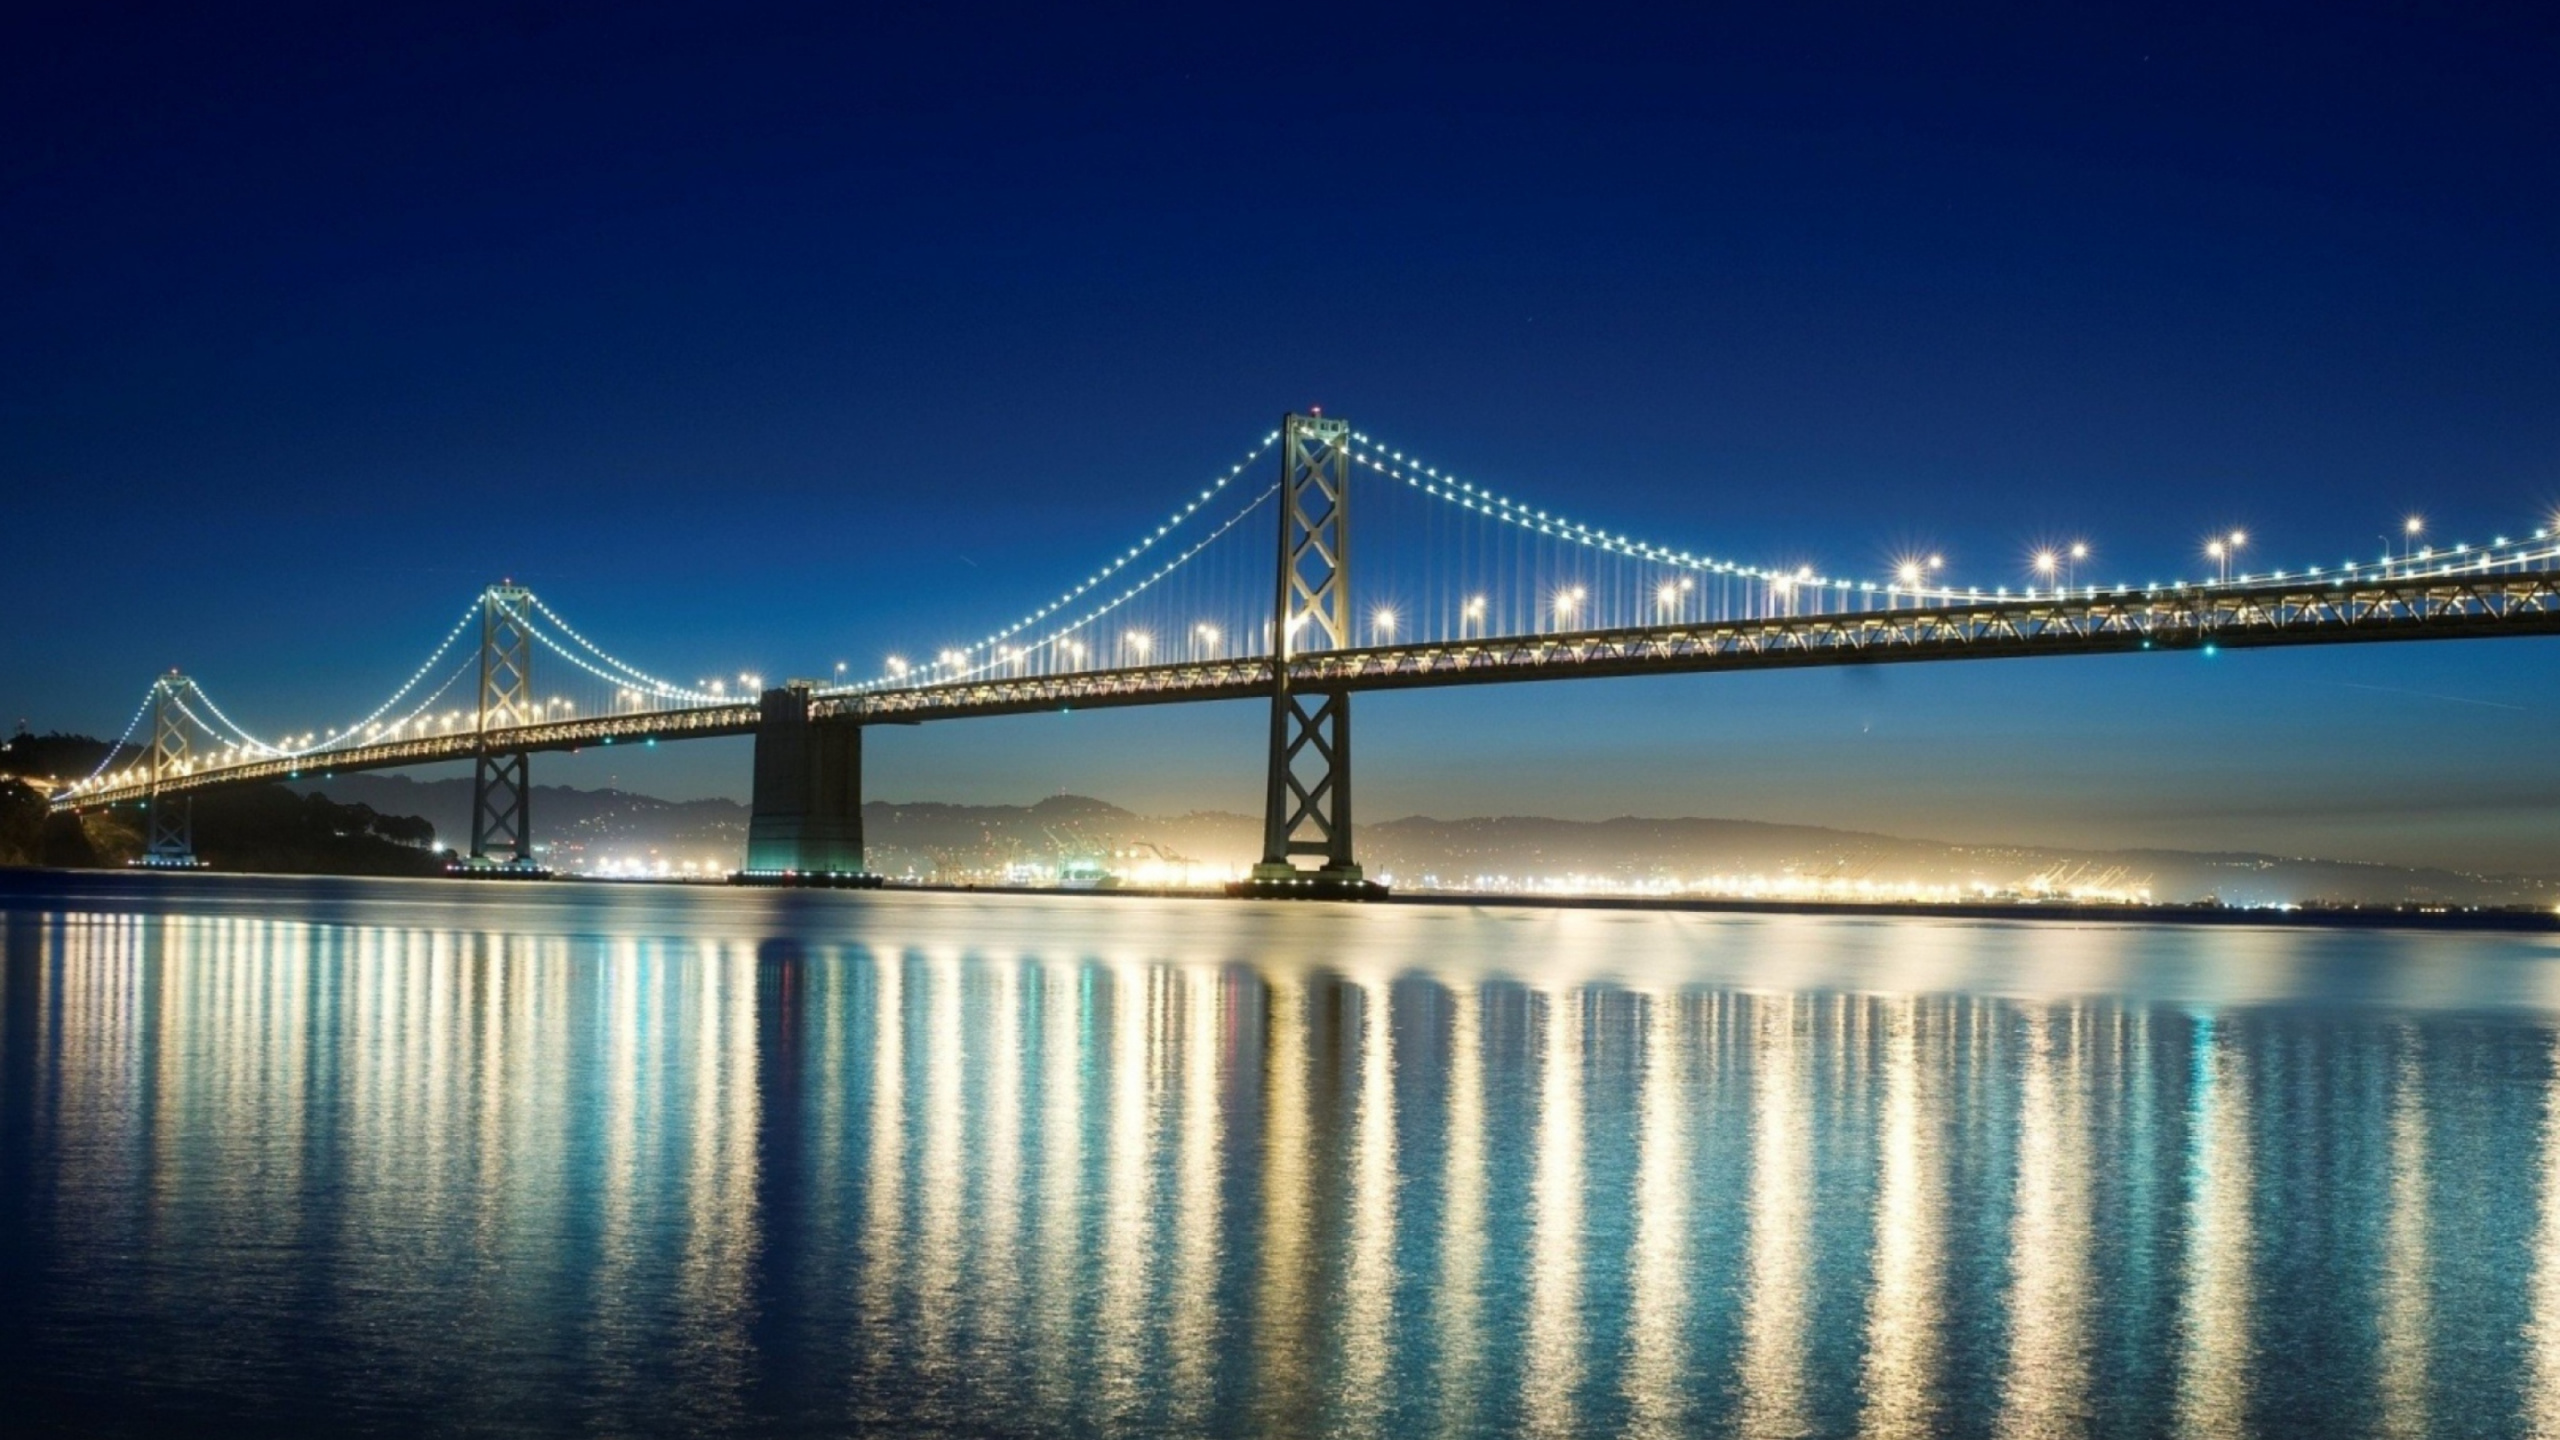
<point x="502" y="777"/>
<point x="170" y="820"/>
<point x="1307" y="800"/>
<point x="806" y="825"/>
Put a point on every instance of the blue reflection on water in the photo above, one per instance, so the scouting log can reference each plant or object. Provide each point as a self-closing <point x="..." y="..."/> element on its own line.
<point x="423" y="1158"/>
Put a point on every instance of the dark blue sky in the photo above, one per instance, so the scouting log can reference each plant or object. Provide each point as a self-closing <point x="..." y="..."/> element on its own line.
<point x="762" y="339"/>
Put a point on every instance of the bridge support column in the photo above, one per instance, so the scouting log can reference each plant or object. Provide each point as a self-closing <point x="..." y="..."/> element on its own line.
<point x="806" y="828"/>
<point x="170" y="827"/>
<point x="502" y="780"/>
<point x="1307" y="802"/>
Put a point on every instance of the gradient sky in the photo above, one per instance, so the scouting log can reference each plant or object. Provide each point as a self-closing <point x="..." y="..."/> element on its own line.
<point x="761" y="339"/>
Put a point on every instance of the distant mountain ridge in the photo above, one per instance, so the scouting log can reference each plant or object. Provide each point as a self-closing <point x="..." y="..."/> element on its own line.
<point x="934" y="840"/>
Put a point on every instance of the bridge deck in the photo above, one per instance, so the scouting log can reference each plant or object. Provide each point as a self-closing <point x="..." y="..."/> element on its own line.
<point x="2299" y="612"/>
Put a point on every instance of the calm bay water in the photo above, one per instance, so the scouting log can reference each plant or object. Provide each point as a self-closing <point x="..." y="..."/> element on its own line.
<point x="413" y="1157"/>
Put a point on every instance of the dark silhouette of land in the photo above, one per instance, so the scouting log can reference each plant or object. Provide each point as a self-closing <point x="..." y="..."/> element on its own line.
<point x="267" y="828"/>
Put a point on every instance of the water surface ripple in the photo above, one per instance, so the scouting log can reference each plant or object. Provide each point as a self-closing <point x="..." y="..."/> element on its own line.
<point x="395" y="1158"/>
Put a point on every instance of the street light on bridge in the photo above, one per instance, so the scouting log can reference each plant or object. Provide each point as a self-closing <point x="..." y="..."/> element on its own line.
<point x="1914" y="573"/>
<point x="2224" y="550"/>
<point x="1382" y="624"/>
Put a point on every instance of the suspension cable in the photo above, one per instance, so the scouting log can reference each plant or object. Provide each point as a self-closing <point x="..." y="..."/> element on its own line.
<point x="129" y="727"/>
<point x="997" y="659"/>
<point x="651" y="685"/>
<point x="338" y="737"/>
<point x="630" y="672"/>
<point x="252" y="741"/>
<point x="1116" y="564"/>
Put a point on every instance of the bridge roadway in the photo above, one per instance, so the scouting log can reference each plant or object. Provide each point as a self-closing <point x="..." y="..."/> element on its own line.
<point x="2302" y="611"/>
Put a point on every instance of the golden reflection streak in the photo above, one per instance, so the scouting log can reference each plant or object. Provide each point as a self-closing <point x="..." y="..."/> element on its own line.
<point x="1553" y="1361"/>
<point x="828" y="981"/>
<point x="1288" y="1179"/>
<point x="89" y="1066"/>
<point x="1462" y="1240"/>
<point x="1061" y="1163"/>
<point x="884" y="1188"/>
<point x="1369" y="1285"/>
<point x="2542" y="1328"/>
<point x="1773" y="1380"/>
<point x="1657" y="1359"/>
<point x="999" y="1202"/>
<point x="2213" y="1391"/>
<point x="489" y="1015"/>
<point x="938" y="1176"/>
<point x="436" y="985"/>
<point x="618" y="1258"/>
<point x="721" y="1234"/>
<point x="1194" y="1328"/>
<point x="1126" y="1254"/>
<point x="1903" y="1320"/>
<point x="2407" y="1319"/>
<point x="2046" y="1391"/>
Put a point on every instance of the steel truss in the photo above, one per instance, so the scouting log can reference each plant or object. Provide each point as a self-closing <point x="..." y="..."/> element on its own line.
<point x="1307" y="806"/>
<point x="2434" y="608"/>
<point x="501" y="778"/>
<point x="2301" y="612"/>
<point x="170" y="832"/>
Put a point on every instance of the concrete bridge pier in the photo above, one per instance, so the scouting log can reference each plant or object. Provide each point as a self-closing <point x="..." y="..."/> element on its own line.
<point x="806" y="827"/>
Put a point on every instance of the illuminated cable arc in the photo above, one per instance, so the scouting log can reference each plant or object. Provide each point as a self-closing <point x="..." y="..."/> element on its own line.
<point x="1116" y="564"/>
<point x="997" y="660"/>
<point x="228" y="723"/>
<point x="629" y="677"/>
<point x="335" y="738"/>
<point x="646" y="680"/>
<point x="122" y="740"/>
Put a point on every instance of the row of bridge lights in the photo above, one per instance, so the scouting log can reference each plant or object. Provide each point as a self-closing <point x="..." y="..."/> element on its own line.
<point x="2057" y="566"/>
<point x="416" y="726"/>
<point x="536" y="712"/>
<point x="1566" y="606"/>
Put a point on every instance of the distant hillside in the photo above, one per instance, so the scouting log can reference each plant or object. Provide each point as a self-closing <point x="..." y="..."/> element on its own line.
<point x="971" y="842"/>
<point x="252" y="827"/>
<point x="581" y="827"/>
<point x="31" y="766"/>
<point x="571" y="823"/>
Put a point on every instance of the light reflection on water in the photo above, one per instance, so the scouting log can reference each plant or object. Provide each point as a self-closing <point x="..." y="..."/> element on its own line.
<point x="416" y="1158"/>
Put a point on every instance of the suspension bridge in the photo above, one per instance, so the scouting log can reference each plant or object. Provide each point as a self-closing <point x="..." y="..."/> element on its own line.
<point x="1458" y="585"/>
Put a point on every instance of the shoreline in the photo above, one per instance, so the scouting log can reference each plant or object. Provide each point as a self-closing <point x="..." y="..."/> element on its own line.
<point x="2520" y="921"/>
<point x="2417" y="918"/>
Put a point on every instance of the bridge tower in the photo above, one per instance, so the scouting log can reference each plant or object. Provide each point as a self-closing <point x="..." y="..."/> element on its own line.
<point x="169" y="832"/>
<point x="1307" y="805"/>
<point x="501" y="784"/>
<point x="806" y="827"/>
